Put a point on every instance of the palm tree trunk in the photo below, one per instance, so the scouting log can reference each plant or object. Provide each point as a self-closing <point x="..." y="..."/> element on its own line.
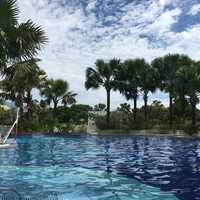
<point x="55" y="103"/>
<point x="170" y="109"/>
<point x="183" y="107"/>
<point x="29" y="99"/>
<point x="19" y="103"/>
<point x="135" y="109"/>
<point x="193" y="103"/>
<point x="108" y="107"/>
<point x="145" y="105"/>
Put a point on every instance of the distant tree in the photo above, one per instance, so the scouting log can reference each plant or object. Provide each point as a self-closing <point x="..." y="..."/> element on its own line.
<point x="158" y="113"/>
<point x="19" y="83"/>
<point x="82" y="107"/>
<point x="165" y="69"/>
<point x="43" y="104"/>
<point x="147" y="83"/>
<point x="102" y="75"/>
<point x="56" y="91"/>
<point x="124" y="107"/>
<point x="189" y="78"/>
<point x="180" y="83"/>
<point x="100" y="107"/>
<point x="157" y="104"/>
<point x="128" y="79"/>
<point x="80" y="111"/>
<point x="69" y="98"/>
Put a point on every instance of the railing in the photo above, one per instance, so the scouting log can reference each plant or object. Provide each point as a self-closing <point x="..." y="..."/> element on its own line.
<point x="11" y="128"/>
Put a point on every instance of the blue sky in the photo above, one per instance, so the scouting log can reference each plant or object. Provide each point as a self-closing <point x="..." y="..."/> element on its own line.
<point x="81" y="31"/>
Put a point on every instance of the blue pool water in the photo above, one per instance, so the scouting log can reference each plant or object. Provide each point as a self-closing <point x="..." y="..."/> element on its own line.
<point x="82" y="167"/>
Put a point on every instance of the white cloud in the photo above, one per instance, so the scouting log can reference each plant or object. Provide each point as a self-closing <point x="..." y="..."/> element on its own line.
<point x="195" y="9"/>
<point x="77" y="39"/>
<point x="164" y="22"/>
<point x="91" y="5"/>
<point x="168" y="2"/>
<point x="165" y="2"/>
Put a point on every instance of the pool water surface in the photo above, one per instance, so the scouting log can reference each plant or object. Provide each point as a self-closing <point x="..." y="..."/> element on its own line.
<point x="83" y="167"/>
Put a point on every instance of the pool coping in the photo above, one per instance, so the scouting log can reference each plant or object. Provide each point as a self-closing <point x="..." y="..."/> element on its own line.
<point x="150" y="132"/>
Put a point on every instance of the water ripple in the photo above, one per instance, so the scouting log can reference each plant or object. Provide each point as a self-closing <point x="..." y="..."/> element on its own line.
<point x="104" y="167"/>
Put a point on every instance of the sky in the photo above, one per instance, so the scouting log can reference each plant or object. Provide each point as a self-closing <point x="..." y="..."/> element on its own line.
<point x="82" y="31"/>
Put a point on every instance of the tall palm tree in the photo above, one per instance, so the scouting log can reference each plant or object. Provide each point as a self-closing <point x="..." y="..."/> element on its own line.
<point x="128" y="80"/>
<point x="18" y="42"/>
<point x="103" y="75"/>
<point x="181" y="80"/>
<point x="189" y="78"/>
<point x="147" y="83"/>
<point x="8" y="19"/>
<point x="165" y="69"/>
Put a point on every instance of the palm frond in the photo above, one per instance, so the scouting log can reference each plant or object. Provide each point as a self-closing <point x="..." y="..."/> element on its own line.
<point x="93" y="79"/>
<point x="21" y="68"/>
<point x="8" y="13"/>
<point x="25" y="40"/>
<point x="69" y="98"/>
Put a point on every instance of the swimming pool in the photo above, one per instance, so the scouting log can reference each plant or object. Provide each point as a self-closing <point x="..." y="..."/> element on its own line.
<point x="81" y="167"/>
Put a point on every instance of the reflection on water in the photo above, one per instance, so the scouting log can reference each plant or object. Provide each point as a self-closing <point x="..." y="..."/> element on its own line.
<point x="104" y="167"/>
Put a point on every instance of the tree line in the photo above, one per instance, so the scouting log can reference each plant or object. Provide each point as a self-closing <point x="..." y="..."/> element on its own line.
<point x="175" y="74"/>
<point x="20" y="44"/>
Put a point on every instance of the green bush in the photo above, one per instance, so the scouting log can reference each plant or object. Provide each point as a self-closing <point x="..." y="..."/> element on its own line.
<point x="7" y="117"/>
<point x="118" y="120"/>
<point x="189" y="129"/>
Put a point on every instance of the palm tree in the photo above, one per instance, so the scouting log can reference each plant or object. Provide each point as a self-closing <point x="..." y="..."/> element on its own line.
<point x="103" y="75"/>
<point x="19" y="83"/>
<point x="189" y="78"/>
<point x="18" y="42"/>
<point x="69" y="98"/>
<point x="8" y="19"/>
<point x="180" y="82"/>
<point x="128" y="80"/>
<point x="165" y="69"/>
<point x="100" y="107"/>
<point x="125" y="108"/>
<point x="56" y="91"/>
<point x="147" y="83"/>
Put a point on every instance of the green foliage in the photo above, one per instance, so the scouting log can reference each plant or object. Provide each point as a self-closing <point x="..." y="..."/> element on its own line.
<point x="100" y="107"/>
<point x="103" y="75"/>
<point x="30" y="126"/>
<point x="20" y="81"/>
<point x="190" y="129"/>
<point x="18" y="41"/>
<point x="65" y="119"/>
<point x="19" y="44"/>
<point x="175" y="74"/>
<point x="56" y="91"/>
<point x="80" y="112"/>
<point x="124" y="107"/>
<point x="118" y="121"/>
<point x="133" y="77"/>
<point x="7" y="117"/>
<point x="122" y="119"/>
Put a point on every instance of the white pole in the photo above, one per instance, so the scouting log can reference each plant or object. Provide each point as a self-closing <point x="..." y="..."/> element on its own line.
<point x="10" y="130"/>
